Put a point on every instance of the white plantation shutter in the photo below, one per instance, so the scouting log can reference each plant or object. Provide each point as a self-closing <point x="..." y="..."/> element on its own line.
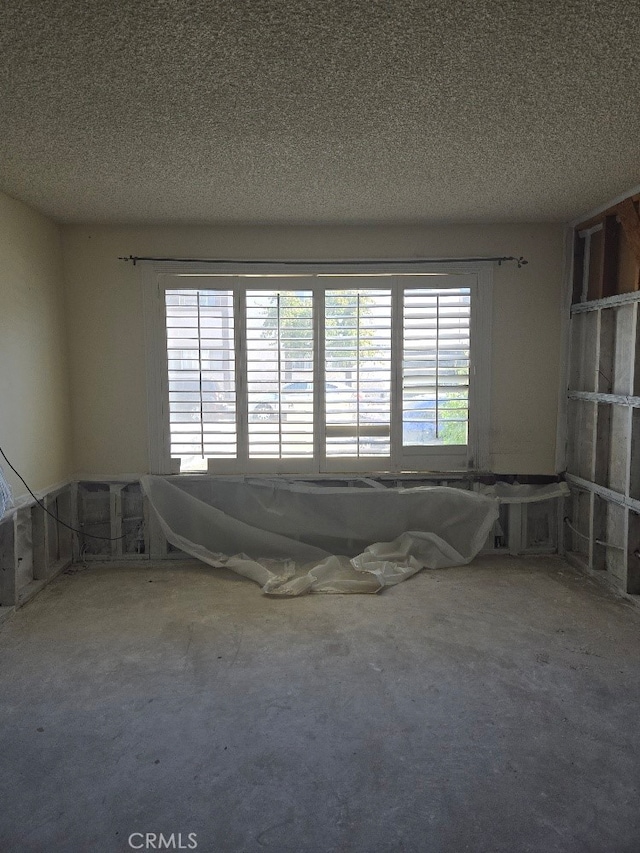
<point x="280" y="382"/>
<point x="435" y="367"/>
<point x="201" y="375"/>
<point x="358" y="372"/>
<point x="304" y="373"/>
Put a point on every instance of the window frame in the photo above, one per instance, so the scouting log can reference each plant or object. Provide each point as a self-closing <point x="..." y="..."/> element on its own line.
<point x="159" y="276"/>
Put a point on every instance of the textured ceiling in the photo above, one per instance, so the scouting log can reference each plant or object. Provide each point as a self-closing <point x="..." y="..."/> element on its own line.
<point x="318" y="110"/>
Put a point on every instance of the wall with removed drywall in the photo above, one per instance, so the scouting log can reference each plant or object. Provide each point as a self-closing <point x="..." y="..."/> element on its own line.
<point x="105" y="316"/>
<point x="34" y="387"/>
<point x="603" y="423"/>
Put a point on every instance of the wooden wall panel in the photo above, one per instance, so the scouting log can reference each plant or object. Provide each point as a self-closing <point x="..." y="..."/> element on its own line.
<point x="596" y="260"/>
<point x="628" y="272"/>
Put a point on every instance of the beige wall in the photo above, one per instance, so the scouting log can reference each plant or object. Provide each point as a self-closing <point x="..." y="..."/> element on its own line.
<point x="34" y="389"/>
<point x="105" y="319"/>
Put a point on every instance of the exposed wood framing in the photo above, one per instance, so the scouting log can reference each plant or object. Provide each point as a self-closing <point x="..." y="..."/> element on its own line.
<point x="596" y="397"/>
<point x="608" y="272"/>
<point x="597" y="248"/>
<point x="594" y="216"/>
<point x="609" y="302"/>
<point x="527" y="528"/>
<point x="628" y="215"/>
<point x="603" y="400"/>
<point x="608" y="494"/>
<point x="575" y="270"/>
<point x="34" y="547"/>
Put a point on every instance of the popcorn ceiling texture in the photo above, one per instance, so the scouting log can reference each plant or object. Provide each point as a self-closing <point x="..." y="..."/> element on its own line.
<point x="318" y="110"/>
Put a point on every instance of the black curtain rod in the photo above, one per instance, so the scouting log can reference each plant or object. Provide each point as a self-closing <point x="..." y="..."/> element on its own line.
<point x="499" y="260"/>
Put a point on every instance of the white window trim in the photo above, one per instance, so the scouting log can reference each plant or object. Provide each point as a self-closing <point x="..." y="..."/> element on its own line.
<point x="158" y="276"/>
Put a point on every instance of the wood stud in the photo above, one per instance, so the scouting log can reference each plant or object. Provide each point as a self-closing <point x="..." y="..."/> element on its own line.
<point x="630" y="221"/>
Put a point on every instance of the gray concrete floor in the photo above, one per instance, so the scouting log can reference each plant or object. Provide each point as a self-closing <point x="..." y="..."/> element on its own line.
<point x="494" y="707"/>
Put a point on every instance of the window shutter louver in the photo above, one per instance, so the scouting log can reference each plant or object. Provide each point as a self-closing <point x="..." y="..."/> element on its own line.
<point x="435" y="376"/>
<point x="201" y="375"/>
<point x="280" y="373"/>
<point x="358" y="372"/>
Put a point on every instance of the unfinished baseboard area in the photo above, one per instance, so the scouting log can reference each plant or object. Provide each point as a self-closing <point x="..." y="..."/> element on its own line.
<point x="119" y="509"/>
<point x="117" y="524"/>
<point x="35" y="547"/>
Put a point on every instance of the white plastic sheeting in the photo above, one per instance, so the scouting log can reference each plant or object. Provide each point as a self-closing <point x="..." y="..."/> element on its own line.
<point x="6" y="498"/>
<point x="295" y="538"/>
<point x="525" y="493"/>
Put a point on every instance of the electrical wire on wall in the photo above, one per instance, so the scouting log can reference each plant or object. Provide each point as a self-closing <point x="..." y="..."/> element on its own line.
<point x="42" y="506"/>
<point x="602" y="542"/>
